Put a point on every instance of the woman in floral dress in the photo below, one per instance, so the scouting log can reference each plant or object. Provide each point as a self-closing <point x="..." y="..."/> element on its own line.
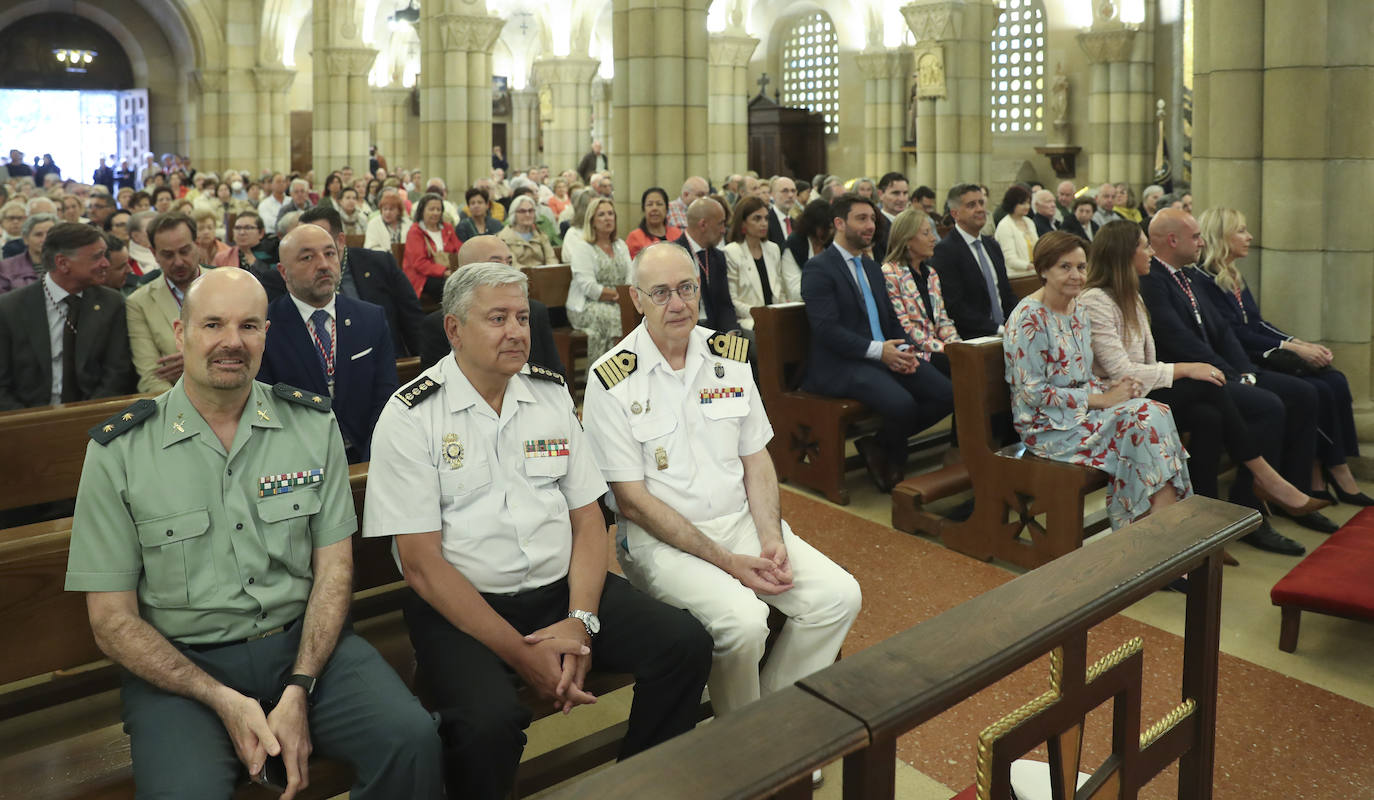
<point x="600" y="262"/>
<point x="1064" y="413"/>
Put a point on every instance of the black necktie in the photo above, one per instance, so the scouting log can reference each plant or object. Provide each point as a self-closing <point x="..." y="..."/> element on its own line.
<point x="70" y="392"/>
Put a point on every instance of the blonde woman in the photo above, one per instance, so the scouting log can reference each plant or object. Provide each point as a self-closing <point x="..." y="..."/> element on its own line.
<point x="1227" y="241"/>
<point x="600" y="262"/>
<point x="913" y="286"/>
<point x="528" y="245"/>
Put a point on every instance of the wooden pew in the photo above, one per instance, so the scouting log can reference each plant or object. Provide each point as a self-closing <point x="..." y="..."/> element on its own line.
<point x="355" y="240"/>
<point x="549" y="285"/>
<point x="809" y="429"/>
<point x="629" y="315"/>
<point x="1004" y="479"/>
<point x="1024" y="285"/>
<point x="870" y="699"/>
<point x="407" y="369"/>
<point x="34" y="607"/>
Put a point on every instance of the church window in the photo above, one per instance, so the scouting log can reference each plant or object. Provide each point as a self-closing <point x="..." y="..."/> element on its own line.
<point x="810" y="68"/>
<point x="1018" y="68"/>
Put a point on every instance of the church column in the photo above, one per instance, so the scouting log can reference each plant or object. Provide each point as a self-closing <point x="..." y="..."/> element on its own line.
<point x="273" y="117"/>
<point x="1121" y="134"/>
<point x="885" y="117"/>
<point x="211" y="134"/>
<point x="601" y="113"/>
<point x="953" y="63"/>
<point x="339" y="121"/>
<point x="660" y="63"/>
<point x="729" y="55"/>
<point x="393" y="118"/>
<point x="524" y="129"/>
<point x="566" y="139"/>
<point x="455" y="91"/>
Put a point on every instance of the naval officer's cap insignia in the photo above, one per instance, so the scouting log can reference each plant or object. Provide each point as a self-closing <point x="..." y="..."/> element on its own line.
<point x="124" y="421"/>
<point x="545" y="374"/>
<point x="616" y="368"/>
<point x="419" y="389"/>
<point x="290" y="393"/>
<point x="728" y="345"/>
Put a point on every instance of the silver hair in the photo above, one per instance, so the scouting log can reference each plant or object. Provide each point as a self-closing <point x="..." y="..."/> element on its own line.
<point x="460" y="285"/>
<point x="519" y="201"/>
<point x="35" y="220"/>
<point x="302" y="181"/>
<point x="138" y="223"/>
<point x="642" y="254"/>
<point x="287" y="222"/>
<point x="1042" y="195"/>
<point x="1152" y="189"/>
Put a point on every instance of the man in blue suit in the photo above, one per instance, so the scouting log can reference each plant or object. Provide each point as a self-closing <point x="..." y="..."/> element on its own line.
<point x="859" y="349"/>
<point x="324" y="341"/>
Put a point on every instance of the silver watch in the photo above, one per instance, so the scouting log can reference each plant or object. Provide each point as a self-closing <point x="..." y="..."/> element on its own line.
<point x="588" y="619"/>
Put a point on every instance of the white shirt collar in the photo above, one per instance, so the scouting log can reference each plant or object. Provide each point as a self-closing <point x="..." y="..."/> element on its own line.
<point x="848" y="256"/>
<point x="968" y="239"/>
<point x="692" y="243"/>
<point x="306" y="309"/>
<point x="55" y="292"/>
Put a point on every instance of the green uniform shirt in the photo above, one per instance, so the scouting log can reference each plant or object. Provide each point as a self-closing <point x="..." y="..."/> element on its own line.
<point x="218" y="545"/>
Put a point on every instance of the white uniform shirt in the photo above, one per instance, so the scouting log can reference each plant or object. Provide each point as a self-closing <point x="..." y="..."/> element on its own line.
<point x="682" y="433"/>
<point x="499" y="488"/>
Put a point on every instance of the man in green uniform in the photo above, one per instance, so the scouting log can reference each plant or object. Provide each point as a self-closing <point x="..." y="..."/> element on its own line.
<point x="212" y="537"/>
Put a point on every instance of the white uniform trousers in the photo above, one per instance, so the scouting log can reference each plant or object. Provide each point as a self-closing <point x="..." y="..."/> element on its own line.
<point x="820" y="606"/>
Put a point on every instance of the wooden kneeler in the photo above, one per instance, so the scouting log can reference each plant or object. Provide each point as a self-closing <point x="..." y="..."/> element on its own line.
<point x="1011" y="487"/>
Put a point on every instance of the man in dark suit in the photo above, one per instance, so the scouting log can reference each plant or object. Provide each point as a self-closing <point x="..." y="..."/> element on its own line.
<point x="784" y="193"/>
<point x="1042" y="211"/>
<point x="858" y="348"/>
<point x="434" y="343"/>
<point x="705" y="226"/>
<point x="326" y="342"/>
<point x="373" y="277"/>
<point x="63" y="338"/>
<point x="104" y="176"/>
<point x="893" y="198"/>
<point x="1281" y="411"/>
<point x="972" y="272"/>
<point x="1081" y="222"/>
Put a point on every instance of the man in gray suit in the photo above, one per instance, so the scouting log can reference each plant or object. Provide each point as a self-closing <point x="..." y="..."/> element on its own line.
<point x="64" y="338"/>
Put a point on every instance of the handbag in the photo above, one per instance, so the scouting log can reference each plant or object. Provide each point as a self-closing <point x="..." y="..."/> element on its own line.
<point x="1289" y="363"/>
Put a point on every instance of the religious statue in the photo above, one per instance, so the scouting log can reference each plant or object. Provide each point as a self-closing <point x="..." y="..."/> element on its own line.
<point x="1059" y="102"/>
<point x="912" y="112"/>
<point x="930" y="72"/>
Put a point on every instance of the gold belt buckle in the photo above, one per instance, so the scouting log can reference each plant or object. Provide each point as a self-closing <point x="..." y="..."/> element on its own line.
<point x="266" y="634"/>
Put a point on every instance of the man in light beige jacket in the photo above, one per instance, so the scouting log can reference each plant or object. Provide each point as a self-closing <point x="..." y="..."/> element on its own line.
<point x="155" y="305"/>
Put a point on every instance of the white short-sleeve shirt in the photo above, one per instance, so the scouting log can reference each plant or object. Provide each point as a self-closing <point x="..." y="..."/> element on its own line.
<point x="682" y="433"/>
<point x="498" y="487"/>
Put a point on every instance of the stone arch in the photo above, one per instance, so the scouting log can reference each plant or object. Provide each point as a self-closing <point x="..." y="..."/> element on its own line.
<point x="132" y="49"/>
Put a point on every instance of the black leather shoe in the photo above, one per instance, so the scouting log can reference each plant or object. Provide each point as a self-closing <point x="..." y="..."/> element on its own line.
<point x="1313" y="521"/>
<point x="875" y="461"/>
<point x="1266" y="538"/>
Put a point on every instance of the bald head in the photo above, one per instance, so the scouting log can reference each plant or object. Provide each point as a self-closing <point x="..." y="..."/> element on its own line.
<point x="484" y="249"/>
<point x="237" y="283"/>
<point x="221" y="333"/>
<point x="705" y="221"/>
<point x="1175" y="237"/>
<point x="693" y="188"/>
<point x="300" y="237"/>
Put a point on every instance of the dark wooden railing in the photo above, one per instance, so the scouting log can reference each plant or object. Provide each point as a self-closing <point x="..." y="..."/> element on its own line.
<point x="858" y="707"/>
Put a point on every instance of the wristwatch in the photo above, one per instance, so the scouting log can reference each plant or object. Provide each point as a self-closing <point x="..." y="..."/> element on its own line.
<point x="588" y="619"/>
<point x="306" y="682"/>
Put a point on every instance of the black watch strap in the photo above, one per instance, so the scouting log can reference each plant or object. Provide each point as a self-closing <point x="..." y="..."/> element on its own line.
<point x="306" y="682"/>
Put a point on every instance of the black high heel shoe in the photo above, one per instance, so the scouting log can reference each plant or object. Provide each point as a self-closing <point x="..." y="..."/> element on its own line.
<point x="1336" y="495"/>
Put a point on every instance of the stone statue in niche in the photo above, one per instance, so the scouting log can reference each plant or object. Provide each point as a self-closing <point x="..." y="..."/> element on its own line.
<point x="912" y="113"/>
<point x="1059" y="102"/>
<point x="930" y="72"/>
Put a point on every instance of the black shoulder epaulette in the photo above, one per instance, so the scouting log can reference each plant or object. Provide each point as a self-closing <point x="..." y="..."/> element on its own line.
<point x="319" y="402"/>
<point x="728" y="345"/>
<point x="545" y="374"/>
<point x="418" y="390"/>
<point x="124" y="421"/>
<point x="616" y="368"/>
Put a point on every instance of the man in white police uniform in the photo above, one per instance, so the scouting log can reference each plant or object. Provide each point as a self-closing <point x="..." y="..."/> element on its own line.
<point x="481" y="472"/>
<point x="679" y="431"/>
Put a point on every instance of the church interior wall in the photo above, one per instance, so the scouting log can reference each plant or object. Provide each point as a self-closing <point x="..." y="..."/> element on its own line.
<point x="302" y="91"/>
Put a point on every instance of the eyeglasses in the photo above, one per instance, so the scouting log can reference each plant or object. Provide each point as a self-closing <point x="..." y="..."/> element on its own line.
<point x="661" y="294"/>
<point x="244" y="228"/>
<point x="11" y="218"/>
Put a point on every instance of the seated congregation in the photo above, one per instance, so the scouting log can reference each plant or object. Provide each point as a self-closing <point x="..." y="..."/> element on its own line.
<point x="266" y="367"/>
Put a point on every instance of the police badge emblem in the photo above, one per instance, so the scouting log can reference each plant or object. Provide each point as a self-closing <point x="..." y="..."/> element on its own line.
<point x="453" y="451"/>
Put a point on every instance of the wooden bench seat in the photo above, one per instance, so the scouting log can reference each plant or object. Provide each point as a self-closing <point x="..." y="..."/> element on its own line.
<point x="1334" y="579"/>
<point x="549" y="285"/>
<point x="51" y="668"/>
<point x="809" y="430"/>
<point x="1007" y="481"/>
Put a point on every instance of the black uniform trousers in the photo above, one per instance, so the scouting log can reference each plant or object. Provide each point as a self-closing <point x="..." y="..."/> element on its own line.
<point x="482" y="720"/>
<point x="1208" y="414"/>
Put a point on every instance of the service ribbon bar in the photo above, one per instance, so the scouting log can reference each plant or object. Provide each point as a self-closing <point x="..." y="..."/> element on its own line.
<point x="281" y="484"/>
<point x="707" y="395"/>
<point x="540" y="448"/>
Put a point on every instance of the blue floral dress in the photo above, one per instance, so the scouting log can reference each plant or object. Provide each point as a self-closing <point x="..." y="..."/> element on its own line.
<point x="1049" y="362"/>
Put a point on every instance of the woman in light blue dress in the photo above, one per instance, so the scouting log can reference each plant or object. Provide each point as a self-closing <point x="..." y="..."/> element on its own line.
<point x="1064" y="413"/>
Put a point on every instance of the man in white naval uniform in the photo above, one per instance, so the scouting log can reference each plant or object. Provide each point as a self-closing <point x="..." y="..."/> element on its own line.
<point x="680" y="434"/>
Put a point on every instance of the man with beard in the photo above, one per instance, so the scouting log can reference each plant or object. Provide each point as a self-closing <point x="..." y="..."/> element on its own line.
<point x="225" y="602"/>
<point x="329" y="343"/>
<point x="859" y="349"/>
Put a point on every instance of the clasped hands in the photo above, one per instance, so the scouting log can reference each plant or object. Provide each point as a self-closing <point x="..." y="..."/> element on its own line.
<point x="899" y="360"/>
<point x="257" y="734"/>
<point x="555" y="661"/>
<point x="770" y="572"/>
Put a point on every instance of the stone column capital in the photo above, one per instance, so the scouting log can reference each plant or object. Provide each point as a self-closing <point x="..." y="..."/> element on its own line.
<point x="731" y="50"/>
<point x="934" y="20"/>
<point x="524" y="98"/>
<point x="883" y="63"/>
<point x="210" y="80"/>
<point x="471" y="33"/>
<point x="1107" y="46"/>
<point x="572" y="69"/>
<point x="346" y="60"/>
<point x="273" y="79"/>
<point x="393" y="95"/>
